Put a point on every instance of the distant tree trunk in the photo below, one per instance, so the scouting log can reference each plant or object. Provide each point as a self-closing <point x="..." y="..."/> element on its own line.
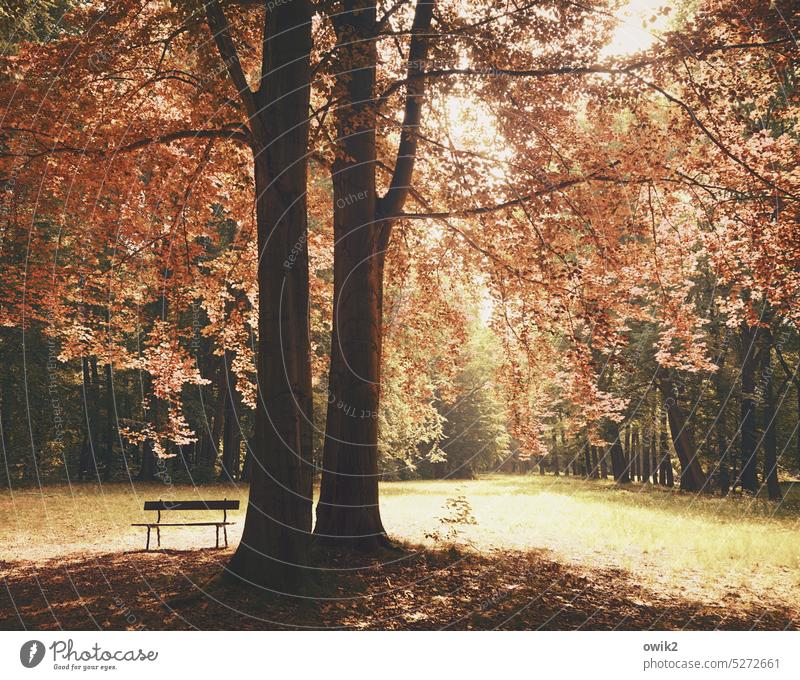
<point x="722" y="452"/>
<point x="665" y="476"/>
<point x="587" y="461"/>
<point x="247" y="465"/>
<point x="111" y="418"/>
<point x="232" y="433"/>
<point x="668" y="467"/>
<point x="88" y="458"/>
<point x="595" y="464"/>
<point x="212" y="431"/>
<point x="635" y="453"/>
<point x="148" y="468"/>
<point x="749" y="437"/>
<point x="692" y="476"/>
<point x="647" y="446"/>
<point x="626" y="447"/>
<point x="769" y="416"/>
<point x="619" y="467"/>
<point x="797" y="445"/>
<point x="555" y="454"/>
<point x="604" y="463"/>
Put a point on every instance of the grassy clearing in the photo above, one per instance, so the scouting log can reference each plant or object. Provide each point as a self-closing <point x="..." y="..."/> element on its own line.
<point x="709" y="548"/>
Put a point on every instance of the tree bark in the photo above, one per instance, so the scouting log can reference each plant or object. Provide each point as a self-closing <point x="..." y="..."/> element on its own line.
<point x="273" y="552"/>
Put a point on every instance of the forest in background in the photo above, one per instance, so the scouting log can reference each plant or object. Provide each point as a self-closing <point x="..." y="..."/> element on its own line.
<point x="432" y="239"/>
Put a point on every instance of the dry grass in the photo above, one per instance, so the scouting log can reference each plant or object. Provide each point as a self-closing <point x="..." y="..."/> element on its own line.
<point x="706" y="548"/>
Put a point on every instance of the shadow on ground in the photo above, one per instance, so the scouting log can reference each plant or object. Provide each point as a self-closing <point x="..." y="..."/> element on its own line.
<point x="418" y="589"/>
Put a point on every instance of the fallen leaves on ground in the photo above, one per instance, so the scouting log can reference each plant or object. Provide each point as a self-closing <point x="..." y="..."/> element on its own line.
<point x="413" y="590"/>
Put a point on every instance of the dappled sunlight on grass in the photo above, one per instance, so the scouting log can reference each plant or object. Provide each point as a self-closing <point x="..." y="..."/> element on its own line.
<point x="662" y="536"/>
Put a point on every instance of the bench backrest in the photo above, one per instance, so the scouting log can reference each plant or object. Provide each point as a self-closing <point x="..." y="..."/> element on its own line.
<point x="191" y="505"/>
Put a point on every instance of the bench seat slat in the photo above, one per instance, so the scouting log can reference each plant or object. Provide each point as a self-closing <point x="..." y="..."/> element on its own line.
<point x="183" y="524"/>
<point x="191" y="505"/>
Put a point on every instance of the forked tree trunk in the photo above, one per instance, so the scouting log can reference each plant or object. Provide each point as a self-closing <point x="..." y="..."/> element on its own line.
<point x="275" y="541"/>
<point x="348" y="512"/>
<point x="692" y="476"/>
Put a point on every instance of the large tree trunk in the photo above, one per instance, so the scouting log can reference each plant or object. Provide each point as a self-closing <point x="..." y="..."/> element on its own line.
<point x="274" y="547"/>
<point x="348" y="512"/>
<point x="692" y="476"/>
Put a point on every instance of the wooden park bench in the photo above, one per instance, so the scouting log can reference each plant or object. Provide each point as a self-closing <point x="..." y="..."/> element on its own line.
<point x="165" y="506"/>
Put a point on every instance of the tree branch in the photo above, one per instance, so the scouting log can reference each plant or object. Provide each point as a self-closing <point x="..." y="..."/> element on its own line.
<point x="220" y="30"/>
<point x="392" y="202"/>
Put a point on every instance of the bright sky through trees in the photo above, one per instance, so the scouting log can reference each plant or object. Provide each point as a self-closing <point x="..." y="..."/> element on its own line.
<point x="636" y="31"/>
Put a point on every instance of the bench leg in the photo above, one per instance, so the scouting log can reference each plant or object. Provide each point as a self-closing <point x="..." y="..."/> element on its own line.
<point x="158" y="536"/>
<point x="225" y="531"/>
<point x="217" y="535"/>
<point x="147" y="547"/>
